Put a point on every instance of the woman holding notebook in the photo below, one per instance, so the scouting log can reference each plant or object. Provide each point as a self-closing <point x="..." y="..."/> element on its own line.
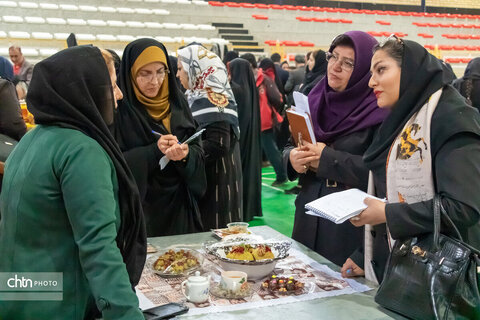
<point x="152" y="119"/>
<point x="428" y="145"/>
<point x="345" y="116"/>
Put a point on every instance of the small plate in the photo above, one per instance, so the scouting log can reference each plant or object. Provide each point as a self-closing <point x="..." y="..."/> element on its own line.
<point x="168" y="272"/>
<point x="308" y="287"/>
<point x="218" y="291"/>
<point x="222" y="233"/>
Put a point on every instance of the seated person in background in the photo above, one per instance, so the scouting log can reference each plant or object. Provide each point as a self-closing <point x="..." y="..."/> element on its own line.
<point x="11" y="121"/>
<point x="429" y="144"/>
<point x="469" y="84"/>
<point x="213" y="107"/>
<point x="69" y="203"/>
<point x="152" y="119"/>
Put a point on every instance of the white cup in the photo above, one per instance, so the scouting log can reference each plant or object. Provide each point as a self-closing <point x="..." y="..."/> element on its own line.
<point x="233" y="280"/>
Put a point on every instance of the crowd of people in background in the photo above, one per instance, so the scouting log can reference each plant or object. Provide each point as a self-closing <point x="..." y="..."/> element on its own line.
<point x="106" y="177"/>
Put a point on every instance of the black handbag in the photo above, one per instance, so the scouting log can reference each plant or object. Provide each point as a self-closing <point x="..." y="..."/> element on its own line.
<point x="434" y="276"/>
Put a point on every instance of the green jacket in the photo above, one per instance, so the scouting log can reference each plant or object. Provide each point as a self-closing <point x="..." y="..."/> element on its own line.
<point x="59" y="213"/>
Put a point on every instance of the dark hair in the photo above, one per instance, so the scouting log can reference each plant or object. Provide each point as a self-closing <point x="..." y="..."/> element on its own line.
<point x="393" y="46"/>
<point x="300" y="58"/>
<point x="276" y="57"/>
<point x="342" y="40"/>
<point x="250" y="58"/>
<point x="284" y="62"/>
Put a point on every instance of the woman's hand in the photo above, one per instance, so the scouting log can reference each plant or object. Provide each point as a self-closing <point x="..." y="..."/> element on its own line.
<point x="350" y="269"/>
<point x="166" y="141"/>
<point x="300" y="158"/>
<point x="317" y="149"/>
<point x="374" y="214"/>
<point x="177" y="152"/>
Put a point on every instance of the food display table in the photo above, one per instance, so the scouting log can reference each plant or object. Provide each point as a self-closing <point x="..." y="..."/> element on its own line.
<point x="346" y="306"/>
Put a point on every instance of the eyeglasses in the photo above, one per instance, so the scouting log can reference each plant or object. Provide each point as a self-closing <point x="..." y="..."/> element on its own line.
<point x="346" y="65"/>
<point x="149" y="76"/>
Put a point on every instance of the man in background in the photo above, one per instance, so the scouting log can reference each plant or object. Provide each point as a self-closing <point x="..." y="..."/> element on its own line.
<point x="283" y="74"/>
<point x="22" y="69"/>
<point x="296" y="76"/>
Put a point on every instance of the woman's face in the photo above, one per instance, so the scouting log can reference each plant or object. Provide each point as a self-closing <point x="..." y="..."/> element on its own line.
<point x="340" y="67"/>
<point x="150" y="78"/>
<point x="311" y="62"/>
<point x="117" y="93"/>
<point x="182" y="75"/>
<point x="385" y="80"/>
<point x="285" y="66"/>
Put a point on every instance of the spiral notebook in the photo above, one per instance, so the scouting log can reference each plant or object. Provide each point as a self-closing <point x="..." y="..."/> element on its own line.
<point x="339" y="206"/>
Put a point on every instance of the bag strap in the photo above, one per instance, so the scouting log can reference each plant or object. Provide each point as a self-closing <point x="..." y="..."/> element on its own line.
<point x="438" y="212"/>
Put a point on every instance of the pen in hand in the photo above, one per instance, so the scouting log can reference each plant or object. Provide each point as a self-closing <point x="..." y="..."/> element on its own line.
<point x="159" y="135"/>
<point x="156" y="133"/>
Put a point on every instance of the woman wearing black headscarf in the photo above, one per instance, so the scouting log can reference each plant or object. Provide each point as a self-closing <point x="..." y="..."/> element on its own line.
<point x="246" y="96"/>
<point x="154" y="105"/>
<point x="69" y="187"/>
<point x="429" y="144"/>
<point x="229" y="56"/>
<point x="469" y="84"/>
<point x="317" y="67"/>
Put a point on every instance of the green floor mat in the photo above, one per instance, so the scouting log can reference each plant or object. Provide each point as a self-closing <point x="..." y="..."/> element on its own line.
<point x="278" y="207"/>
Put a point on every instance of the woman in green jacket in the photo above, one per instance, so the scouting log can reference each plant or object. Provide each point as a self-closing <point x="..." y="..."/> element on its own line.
<point x="69" y="203"/>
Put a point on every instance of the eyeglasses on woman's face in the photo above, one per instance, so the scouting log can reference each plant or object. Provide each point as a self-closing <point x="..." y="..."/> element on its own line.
<point x="149" y="76"/>
<point x="346" y="64"/>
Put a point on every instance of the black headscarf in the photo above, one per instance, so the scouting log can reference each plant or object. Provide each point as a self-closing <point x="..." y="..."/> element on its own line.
<point x="229" y="56"/>
<point x="133" y="124"/>
<point x="72" y="89"/>
<point x="246" y="95"/>
<point x="422" y="75"/>
<point x="312" y="77"/>
<point x="469" y="84"/>
<point x="174" y="64"/>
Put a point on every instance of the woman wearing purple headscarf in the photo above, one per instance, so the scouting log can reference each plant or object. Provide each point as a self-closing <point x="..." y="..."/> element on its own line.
<point x="345" y="116"/>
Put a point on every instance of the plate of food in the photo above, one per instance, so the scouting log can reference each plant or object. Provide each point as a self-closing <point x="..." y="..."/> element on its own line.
<point x="284" y="286"/>
<point x="175" y="263"/>
<point x="257" y="259"/>
<point x="233" y="228"/>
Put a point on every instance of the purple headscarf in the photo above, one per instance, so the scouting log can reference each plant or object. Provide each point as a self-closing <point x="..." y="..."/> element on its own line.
<point x="337" y="114"/>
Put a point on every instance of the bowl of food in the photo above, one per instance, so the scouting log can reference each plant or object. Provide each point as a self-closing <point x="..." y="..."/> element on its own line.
<point x="175" y="263"/>
<point x="257" y="259"/>
<point x="237" y="227"/>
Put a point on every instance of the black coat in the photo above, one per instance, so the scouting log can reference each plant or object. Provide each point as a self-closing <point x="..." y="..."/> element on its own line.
<point x="456" y="171"/>
<point x="341" y="163"/>
<point x="169" y="196"/>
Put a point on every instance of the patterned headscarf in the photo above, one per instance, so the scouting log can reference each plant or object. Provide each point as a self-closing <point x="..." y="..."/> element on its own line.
<point x="206" y="75"/>
<point x="209" y="93"/>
